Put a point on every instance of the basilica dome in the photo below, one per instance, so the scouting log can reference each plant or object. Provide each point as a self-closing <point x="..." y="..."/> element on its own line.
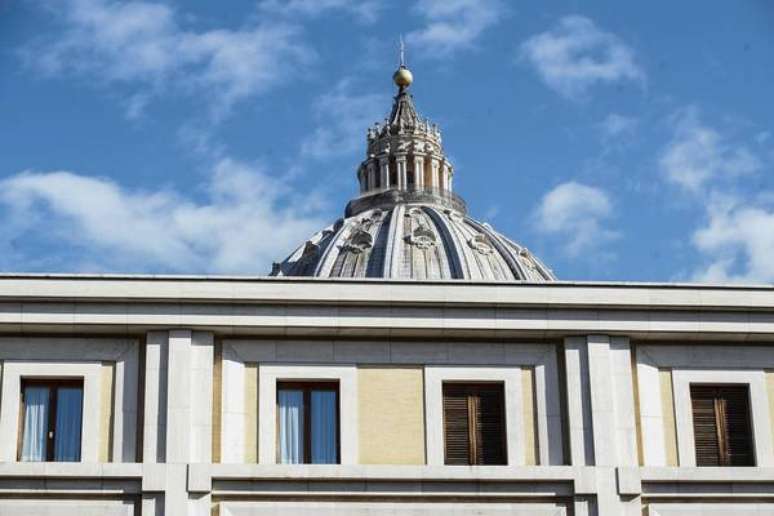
<point x="407" y="223"/>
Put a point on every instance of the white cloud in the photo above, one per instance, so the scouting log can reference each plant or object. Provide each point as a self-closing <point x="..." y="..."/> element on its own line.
<point x="697" y="154"/>
<point x="576" y="54"/>
<point x="342" y="118"/>
<point x="452" y="25"/>
<point x="245" y="221"/>
<point x="615" y="125"/>
<point x="735" y="239"/>
<point x="142" y="44"/>
<point x="578" y="213"/>
<point x="367" y="11"/>
<point x="738" y="240"/>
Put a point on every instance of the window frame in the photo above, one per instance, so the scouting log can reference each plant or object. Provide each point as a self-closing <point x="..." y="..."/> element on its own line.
<point x="683" y="376"/>
<point x="307" y="386"/>
<point x="269" y="373"/>
<point x="721" y="429"/>
<point x="471" y="387"/>
<point x="53" y="385"/>
<point x="546" y="387"/>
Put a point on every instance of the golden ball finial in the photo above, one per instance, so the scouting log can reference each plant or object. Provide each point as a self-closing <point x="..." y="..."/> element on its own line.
<point x="403" y="77"/>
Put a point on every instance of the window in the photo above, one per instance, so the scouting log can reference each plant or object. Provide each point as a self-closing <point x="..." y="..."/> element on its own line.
<point x="51" y="420"/>
<point x="721" y="425"/>
<point x="393" y="174"/>
<point x="308" y="422"/>
<point x="474" y="423"/>
<point x="410" y="177"/>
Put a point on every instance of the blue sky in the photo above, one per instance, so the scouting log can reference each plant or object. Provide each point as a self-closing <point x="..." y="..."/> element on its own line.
<point x="617" y="141"/>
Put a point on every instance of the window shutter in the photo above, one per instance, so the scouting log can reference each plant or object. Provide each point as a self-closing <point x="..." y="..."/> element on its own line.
<point x="736" y="419"/>
<point x="456" y="427"/>
<point x="705" y="431"/>
<point x="474" y="424"/>
<point x="721" y="425"/>
<point x="490" y="426"/>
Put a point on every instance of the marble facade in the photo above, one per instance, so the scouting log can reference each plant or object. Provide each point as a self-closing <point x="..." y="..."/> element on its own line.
<point x="194" y="361"/>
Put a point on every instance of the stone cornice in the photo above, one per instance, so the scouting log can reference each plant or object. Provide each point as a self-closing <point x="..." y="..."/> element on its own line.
<point x="337" y="309"/>
<point x="220" y="289"/>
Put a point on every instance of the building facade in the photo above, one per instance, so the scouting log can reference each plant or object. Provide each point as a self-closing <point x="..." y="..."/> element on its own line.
<point x="407" y="360"/>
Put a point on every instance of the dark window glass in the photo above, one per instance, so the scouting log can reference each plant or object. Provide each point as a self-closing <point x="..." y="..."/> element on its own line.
<point x="307" y="423"/>
<point x="51" y="421"/>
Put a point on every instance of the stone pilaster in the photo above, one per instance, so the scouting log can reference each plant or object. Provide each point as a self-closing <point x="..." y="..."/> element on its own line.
<point x="178" y="431"/>
<point x="384" y="171"/>
<point x="400" y="161"/>
<point x="612" y="415"/>
<point x="419" y="171"/>
<point x="371" y="167"/>
<point x="435" y="167"/>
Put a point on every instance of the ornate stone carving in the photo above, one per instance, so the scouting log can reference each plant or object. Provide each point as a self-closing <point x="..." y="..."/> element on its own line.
<point x="359" y="242"/>
<point x="454" y="216"/>
<point x="481" y="244"/>
<point x="366" y="222"/>
<point x="525" y="257"/>
<point x="310" y="253"/>
<point x="422" y="237"/>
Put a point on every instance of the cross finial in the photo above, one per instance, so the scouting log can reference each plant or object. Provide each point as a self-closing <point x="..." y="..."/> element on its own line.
<point x="402" y="76"/>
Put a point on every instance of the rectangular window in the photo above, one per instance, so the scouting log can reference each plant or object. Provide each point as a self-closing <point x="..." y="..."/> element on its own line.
<point x="721" y="425"/>
<point x="51" y="420"/>
<point x="474" y="423"/>
<point x="308" y="422"/>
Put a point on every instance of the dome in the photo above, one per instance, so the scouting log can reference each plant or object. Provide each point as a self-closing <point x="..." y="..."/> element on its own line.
<point x="413" y="241"/>
<point x="406" y="222"/>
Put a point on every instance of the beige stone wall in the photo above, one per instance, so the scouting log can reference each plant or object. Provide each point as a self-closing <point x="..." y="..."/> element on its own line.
<point x="668" y="414"/>
<point x="251" y="413"/>
<point x="391" y="415"/>
<point x="217" y="393"/>
<point x="107" y="374"/>
<point x="530" y="418"/>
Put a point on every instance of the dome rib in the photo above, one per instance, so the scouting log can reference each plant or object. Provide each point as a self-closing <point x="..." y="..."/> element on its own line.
<point x="450" y="246"/>
<point x="494" y="237"/>
<point x="376" y="260"/>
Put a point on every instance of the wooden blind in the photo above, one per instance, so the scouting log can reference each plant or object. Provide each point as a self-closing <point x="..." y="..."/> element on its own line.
<point x="474" y="424"/>
<point x="457" y="429"/>
<point x="721" y="425"/>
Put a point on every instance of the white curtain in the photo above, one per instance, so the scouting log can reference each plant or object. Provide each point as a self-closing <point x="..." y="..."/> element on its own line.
<point x="324" y="425"/>
<point x="35" y="424"/>
<point x="291" y="425"/>
<point x="67" y="442"/>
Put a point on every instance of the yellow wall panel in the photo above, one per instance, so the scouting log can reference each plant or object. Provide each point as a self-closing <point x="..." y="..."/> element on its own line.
<point x="668" y="415"/>
<point x="251" y="413"/>
<point x="391" y="415"/>
<point x="528" y="413"/>
<point x="106" y="411"/>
